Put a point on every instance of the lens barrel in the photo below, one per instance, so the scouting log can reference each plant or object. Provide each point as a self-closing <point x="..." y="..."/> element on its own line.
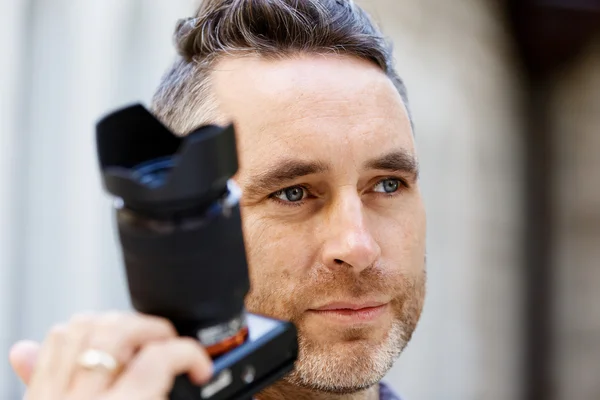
<point x="178" y="219"/>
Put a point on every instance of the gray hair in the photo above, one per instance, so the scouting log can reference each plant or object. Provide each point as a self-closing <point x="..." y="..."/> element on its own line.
<point x="270" y="29"/>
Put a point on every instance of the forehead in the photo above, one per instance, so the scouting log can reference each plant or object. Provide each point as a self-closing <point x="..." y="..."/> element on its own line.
<point x="312" y="106"/>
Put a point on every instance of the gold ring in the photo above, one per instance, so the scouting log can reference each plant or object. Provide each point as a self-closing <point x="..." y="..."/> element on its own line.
<point x="94" y="359"/>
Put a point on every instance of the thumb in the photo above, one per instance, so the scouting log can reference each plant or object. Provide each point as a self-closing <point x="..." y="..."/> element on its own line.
<point x="23" y="356"/>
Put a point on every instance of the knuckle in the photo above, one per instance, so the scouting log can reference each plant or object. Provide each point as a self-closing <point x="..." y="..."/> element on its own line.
<point x="81" y="319"/>
<point x="57" y="332"/>
<point x="111" y="323"/>
<point x="112" y="319"/>
<point x="191" y="343"/>
<point x="164" y="324"/>
<point x="153" y="352"/>
<point x="155" y="319"/>
<point x="108" y="331"/>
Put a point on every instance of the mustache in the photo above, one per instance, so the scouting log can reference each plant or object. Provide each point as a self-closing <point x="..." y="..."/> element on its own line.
<point x="344" y="284"/>
<point x="324" y="285"/>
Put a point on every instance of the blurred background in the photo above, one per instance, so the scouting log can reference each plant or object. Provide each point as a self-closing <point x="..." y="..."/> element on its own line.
<point x="506" y="102"/>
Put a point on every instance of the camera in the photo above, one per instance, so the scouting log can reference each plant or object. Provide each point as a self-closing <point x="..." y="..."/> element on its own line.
<point x="180" y="232"/>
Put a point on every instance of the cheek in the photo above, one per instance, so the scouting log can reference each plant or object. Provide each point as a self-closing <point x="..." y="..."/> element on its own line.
<point x="402" y="240"/>
<point x="278" y="256"/>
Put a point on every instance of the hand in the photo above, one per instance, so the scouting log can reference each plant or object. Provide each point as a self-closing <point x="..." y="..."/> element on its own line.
<point x="147" y="351"/>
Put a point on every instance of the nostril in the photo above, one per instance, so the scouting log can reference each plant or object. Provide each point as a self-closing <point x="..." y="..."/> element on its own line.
<point x="338" y="261"/>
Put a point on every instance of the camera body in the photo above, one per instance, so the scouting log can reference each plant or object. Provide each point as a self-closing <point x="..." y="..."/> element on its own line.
<point x="180" y="231"/>
<point x="267" y="356"/>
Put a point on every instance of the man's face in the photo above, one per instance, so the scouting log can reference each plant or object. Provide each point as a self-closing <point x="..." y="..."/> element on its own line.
<point x="333" y="217"/>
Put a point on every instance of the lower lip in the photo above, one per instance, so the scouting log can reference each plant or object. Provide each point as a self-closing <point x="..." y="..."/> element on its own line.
<point x="346" y="315"/>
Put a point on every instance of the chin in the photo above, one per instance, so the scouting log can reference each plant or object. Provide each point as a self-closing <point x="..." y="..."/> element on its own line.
<point x="351" y="364"/>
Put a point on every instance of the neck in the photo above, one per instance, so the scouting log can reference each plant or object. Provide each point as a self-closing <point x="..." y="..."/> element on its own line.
<point x="284" y="390"/>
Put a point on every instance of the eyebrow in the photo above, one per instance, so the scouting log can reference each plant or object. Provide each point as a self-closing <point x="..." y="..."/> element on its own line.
<point x="283" y="173"/>
<point x="396" y="161"/>
<point x="287" y="170"/>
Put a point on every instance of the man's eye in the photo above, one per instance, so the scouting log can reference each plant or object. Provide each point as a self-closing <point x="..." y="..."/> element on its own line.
<point x="389" y="185"/>
<point x="291" y="195"/>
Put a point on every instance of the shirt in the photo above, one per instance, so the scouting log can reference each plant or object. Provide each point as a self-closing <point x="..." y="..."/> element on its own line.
<point x="385" y="393"/>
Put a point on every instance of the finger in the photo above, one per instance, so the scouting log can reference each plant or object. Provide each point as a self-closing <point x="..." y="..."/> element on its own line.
<point x="45" y="373"/>
<point x="22" y="357"/>
<point x="79" y="328"/>
<point x="152" y="372"/>
<point x="120" y="335"/>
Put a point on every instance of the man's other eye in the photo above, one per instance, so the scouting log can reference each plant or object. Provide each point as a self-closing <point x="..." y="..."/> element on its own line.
<point x="292" y="194"/>
<point x="389" y="185"/>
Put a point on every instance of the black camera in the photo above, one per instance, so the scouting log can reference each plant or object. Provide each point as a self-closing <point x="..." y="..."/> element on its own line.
<point x="179" y="224"/>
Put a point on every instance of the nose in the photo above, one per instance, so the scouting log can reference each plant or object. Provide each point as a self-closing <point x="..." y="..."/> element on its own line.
<point x="348" y="240"/>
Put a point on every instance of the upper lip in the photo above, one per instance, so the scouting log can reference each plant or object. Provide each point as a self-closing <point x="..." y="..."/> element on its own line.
<point x="350" y="305"/>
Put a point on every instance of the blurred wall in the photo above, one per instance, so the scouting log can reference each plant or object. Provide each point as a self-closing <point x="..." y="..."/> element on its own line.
<point x="70" y="61"/>
<point x="576" y="112"/>
<point x="64" y="64"/>
<point x="459" y="66"/>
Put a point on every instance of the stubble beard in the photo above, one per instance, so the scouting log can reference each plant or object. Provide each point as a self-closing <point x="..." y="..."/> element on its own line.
<point x="329" y="369"/>
<point x="354" y="363"/>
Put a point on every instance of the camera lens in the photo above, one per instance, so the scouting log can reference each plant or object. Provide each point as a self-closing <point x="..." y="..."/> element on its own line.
<point x="153" y="174"/>
<point x="180" y="231"/>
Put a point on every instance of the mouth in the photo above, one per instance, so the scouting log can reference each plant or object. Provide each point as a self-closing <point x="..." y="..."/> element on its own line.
<point x="351" y="312"/>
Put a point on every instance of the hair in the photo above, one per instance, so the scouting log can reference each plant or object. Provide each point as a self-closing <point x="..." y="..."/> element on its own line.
<point x="267" y="28"/>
